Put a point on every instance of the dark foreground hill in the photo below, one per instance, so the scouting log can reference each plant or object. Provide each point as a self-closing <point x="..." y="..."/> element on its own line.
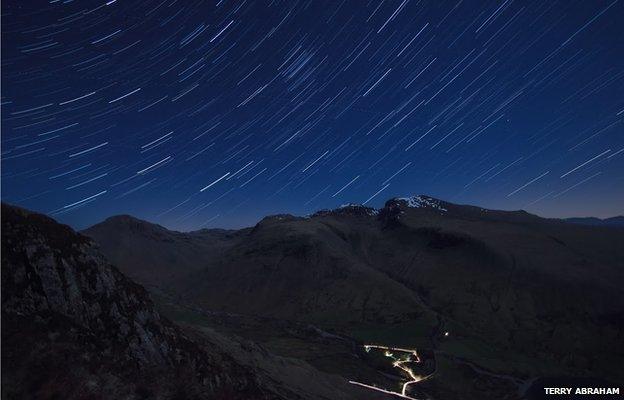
<point x="499" y="297"/>
<point x="74" y="327"/>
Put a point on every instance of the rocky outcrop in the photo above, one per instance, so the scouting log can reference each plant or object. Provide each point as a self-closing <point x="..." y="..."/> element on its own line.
<point x="355" y="210"/>
<point x="511" y="281"/>
<point x="75" y="327"/>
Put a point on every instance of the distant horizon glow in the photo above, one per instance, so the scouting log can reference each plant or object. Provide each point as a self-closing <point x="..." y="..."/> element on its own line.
<point x="252" y="223"/>
<point x="216" y="114"/>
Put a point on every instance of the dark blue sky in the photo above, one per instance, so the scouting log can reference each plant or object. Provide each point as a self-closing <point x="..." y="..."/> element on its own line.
<point x="200" y="114"/>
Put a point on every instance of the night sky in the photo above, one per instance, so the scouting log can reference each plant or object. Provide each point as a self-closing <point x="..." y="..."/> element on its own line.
<point x="197" y="114"/>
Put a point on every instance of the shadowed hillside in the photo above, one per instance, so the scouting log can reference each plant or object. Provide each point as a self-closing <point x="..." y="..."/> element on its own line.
<point x="521" y="295"/>
<point x="74" y="327"/>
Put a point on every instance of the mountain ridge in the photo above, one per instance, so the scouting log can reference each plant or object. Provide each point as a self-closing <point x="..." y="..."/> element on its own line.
<point x="617" y="221"/>
<point x="422" y="201"/>
<point x="75" y="327"/>
<point x="501" y="279"/>
<point x="522" y="296"/>
<point x="54" y="276"/>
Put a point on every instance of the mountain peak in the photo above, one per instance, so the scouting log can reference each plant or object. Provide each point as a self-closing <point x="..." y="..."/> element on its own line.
<point x="277" y="218"/>
<point x="421" y="201"/>
<point x="124" y="219"/>
<point x="54" y="280"/>
<point x="127" y="221"/>
<point x="349" y="209"/>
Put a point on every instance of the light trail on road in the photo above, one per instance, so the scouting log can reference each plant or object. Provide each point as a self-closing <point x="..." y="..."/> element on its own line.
<point x="397" y="363"/>
<point x="382" y="390"/>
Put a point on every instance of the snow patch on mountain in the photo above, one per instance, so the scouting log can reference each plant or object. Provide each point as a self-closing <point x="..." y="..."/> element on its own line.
<point x="423" y="202"/>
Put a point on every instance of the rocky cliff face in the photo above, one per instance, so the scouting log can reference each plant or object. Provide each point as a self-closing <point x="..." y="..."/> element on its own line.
<point x="74" y="327"/>
<point x="508" y="285"/>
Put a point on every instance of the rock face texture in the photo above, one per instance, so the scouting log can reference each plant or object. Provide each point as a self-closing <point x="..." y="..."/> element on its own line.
<point x="74" y="327"/>
<point x="522" y="297"/>
<point x="509" y="285"/>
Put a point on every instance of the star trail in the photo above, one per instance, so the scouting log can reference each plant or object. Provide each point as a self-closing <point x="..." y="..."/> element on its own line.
<point x="197" y="114"/>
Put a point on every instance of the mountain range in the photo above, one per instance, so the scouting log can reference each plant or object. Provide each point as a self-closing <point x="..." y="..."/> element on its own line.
<point x="613" y="221"/>
<point x="491" y="301"/>
<point x="74" y="327"/>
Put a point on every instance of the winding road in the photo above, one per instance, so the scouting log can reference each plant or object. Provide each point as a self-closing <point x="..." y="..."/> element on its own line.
<point x="401" y="362"/>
